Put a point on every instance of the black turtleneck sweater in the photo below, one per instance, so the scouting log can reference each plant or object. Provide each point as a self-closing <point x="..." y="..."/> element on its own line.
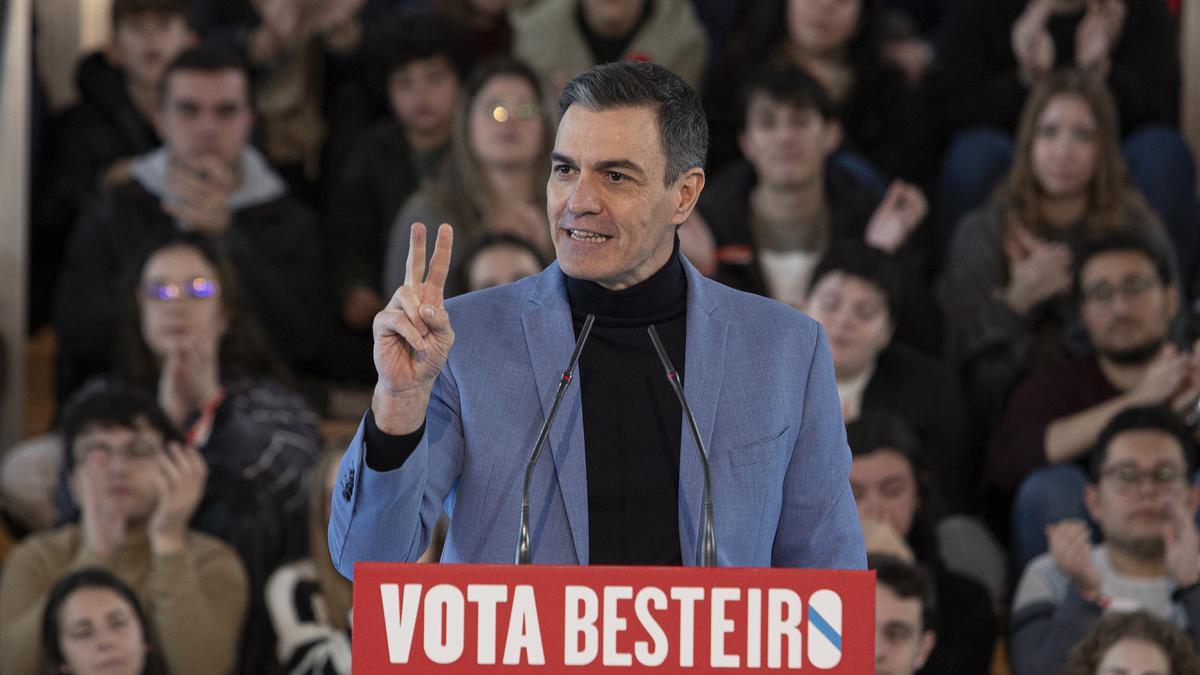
<point x="631" y="418"/>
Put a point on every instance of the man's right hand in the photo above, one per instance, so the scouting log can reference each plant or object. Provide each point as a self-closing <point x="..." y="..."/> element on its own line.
<point x="1031" y="42"/>
<point x="103" y="525"/>
<point x="413" y="336"/>
<point x="1070" y="544"/>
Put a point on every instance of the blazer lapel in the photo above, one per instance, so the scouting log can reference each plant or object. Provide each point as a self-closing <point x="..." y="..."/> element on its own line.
<point x="704" y="371"/>
<point x="550" y="338"/>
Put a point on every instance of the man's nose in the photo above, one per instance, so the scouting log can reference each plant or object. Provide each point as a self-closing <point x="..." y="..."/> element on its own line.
<point x="584" y="197"/>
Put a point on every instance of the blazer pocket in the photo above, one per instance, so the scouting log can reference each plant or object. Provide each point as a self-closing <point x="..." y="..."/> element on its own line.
<point x="757" y="451"/>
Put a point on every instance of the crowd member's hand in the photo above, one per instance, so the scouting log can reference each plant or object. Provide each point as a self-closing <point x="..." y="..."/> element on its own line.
<point x="901" y="211"/>
<point x="118" y="172"/>
<point x="911" y="56"/>
<point x="1183" y="401"/>
<point x="413" y="336"/>
<point x="179" y="483"/>
<point x="1181" y="545"/>
<point x="1037" y="271"/>
<point x="360" y="306"/>
<point x="1163" y="379"/>
<point x="102" y="521"/>
<point x="338" y="23"/>
<point x="198" y="196"/>
<point x="1071" y="549"/>
<point x="1031" y="42"/>
<point x="880" y="537"/>
<point x="191" y="375"/>
<point x="1097" y="35"/>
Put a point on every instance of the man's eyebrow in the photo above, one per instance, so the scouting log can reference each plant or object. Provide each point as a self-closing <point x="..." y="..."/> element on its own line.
<point x="558" y="157"/>
<point x="610" y="164"/>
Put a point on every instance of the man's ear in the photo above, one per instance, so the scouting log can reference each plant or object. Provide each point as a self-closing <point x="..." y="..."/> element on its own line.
<point x="689" y="185"/>
<point x="1091" y="501"/>
<point x="928" y="641"/>
<point x="833" y="136"/>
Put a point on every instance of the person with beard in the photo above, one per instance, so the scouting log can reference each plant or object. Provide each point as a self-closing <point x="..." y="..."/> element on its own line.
<point x="1144" y="504"/>
<point x="1126" y="304"/>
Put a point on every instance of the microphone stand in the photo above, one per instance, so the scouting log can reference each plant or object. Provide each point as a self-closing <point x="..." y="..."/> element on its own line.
<point x="523" y="551"/>
<point x="708" y="553"/>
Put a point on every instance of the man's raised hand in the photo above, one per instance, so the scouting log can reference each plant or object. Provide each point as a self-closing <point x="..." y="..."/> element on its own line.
<point x="413" y="336"/>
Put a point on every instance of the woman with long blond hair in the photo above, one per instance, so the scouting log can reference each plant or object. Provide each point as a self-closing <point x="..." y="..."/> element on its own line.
<point x="1006" y="290"/>
<point x="495" y="179"/>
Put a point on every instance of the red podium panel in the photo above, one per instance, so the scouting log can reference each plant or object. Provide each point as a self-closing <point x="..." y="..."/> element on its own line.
<point x="544" y="619"/>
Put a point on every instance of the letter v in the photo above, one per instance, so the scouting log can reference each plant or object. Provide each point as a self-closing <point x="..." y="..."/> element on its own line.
<point x="399" y="621"/>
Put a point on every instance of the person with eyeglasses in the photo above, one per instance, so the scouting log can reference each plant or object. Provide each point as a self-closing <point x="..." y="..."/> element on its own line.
<point x="1037" y="455"/>
<point x="138" y="487"/>
<point x="1143" y="502"/>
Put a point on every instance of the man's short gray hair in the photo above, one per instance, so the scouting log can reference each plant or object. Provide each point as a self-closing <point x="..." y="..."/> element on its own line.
<point x="682" y="127"/>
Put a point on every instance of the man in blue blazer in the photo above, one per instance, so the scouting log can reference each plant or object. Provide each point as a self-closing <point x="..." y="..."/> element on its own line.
<point x="623" y="480"/>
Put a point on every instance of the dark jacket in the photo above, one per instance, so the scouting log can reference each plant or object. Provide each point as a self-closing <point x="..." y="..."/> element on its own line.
<point x="979" y="83"/>
<point x="103" y="127"/>
<point x="926" y="394"/>
<point x="379" y="175"/>
<point x="271" y="242"/>
<point x="725" y="205"/>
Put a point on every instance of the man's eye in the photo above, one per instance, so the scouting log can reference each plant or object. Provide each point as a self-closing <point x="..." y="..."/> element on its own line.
<point x="562" y="169"/>
<point x="616" y="177"/>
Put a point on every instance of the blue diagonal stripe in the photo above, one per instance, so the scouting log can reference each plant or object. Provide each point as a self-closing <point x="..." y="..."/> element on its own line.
<point x="818" y="621"/>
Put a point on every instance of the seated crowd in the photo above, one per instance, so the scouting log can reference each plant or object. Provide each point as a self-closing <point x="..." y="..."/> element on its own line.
<point x="987" y="204"/>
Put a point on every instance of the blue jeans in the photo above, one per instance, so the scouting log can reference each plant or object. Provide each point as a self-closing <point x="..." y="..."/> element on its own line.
<point x="1046" y="496"/>
<point x="1159" y="162"/>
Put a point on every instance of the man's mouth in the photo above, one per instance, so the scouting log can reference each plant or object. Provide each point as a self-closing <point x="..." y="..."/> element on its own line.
<point x="584" y="235"/>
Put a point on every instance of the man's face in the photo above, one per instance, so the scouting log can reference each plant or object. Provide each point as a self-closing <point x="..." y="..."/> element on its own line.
<point x="423" y="94"/>
<point x="206" y="114"/>
<point x="787" y="145"/>
<point x="143" y="44"/>
<point x="612" y="219"/>
<point x="856" y="318"/>
<point x="901" y="642"/>
<point x="128" y="484"/>
<point x="885" y="488"/>
<point x="1125" y="306"/>
<point x="1143" y="486"/>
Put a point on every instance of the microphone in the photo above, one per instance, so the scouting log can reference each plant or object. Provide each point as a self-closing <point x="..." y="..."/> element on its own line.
<point x="523" y="552"/>
<point x="708" y="554"/>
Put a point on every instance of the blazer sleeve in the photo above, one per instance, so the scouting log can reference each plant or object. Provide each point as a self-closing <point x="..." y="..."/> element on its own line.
<point x="818" y="522"/>
<point x="390" y="515"/>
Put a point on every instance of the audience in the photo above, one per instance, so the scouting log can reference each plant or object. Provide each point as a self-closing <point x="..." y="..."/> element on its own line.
<point x="1126" y="304"/>
<point x="421" y="61"/>
<point x="1006" y="288"/>
<point x="854" y="295"/>
<point x="1144" y="504"/>
<point x="773" y="215"/>
<point x="1133" y="643"/>
<point x="96" y="140"/>
<point x="837" y="43"/>
<point x="93" y="624"/>
<point x="308" y="600"/>
<point x="486" y="22"/>
<point x="905" y="612"/>
<point x="994" y="55"/>
<point x="205" y="179"/>
<point x="898" y="505"/>
<point x="137" y="488"/>
<point x="498" y="259"/>
<point x="561" y="39"/>
<point x="496" y="178"/>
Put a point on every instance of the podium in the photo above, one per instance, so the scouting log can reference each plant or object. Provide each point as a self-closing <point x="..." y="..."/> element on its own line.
<point x="551" y="619"/>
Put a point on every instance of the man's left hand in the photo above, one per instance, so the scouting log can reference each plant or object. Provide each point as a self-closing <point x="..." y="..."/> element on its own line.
<point x="1181" y="546"/>
<point x="901" y="211"/>
<point x="198" y="196"/>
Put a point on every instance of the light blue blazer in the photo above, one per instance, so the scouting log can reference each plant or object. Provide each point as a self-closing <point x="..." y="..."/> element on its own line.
<point x="759" y="379"/>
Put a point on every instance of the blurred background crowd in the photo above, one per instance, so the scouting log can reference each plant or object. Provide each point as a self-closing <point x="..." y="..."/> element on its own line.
<point x="988" y="204"/>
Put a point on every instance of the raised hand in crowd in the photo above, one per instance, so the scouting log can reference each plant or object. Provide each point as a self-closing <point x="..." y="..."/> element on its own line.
<point x="190" y="377"/>
<point x="1071" y="549"/>
<point x="360" y="306"/>
<point x="1181" y="542"/>
<point x="198" y="196"/>
<point x="1097" y="36"/>
<point x="102" y="516"/>
<point x="413" y="336"/>
<point x="179" y="484"/>
<point x="338" y="23"/>
<point x="1032" y="44"/>
<point x="1172" y="377"/>
<point x="879" y="536"/>
<point x="1037" y="270"/>
<point x="903" y="208"/>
